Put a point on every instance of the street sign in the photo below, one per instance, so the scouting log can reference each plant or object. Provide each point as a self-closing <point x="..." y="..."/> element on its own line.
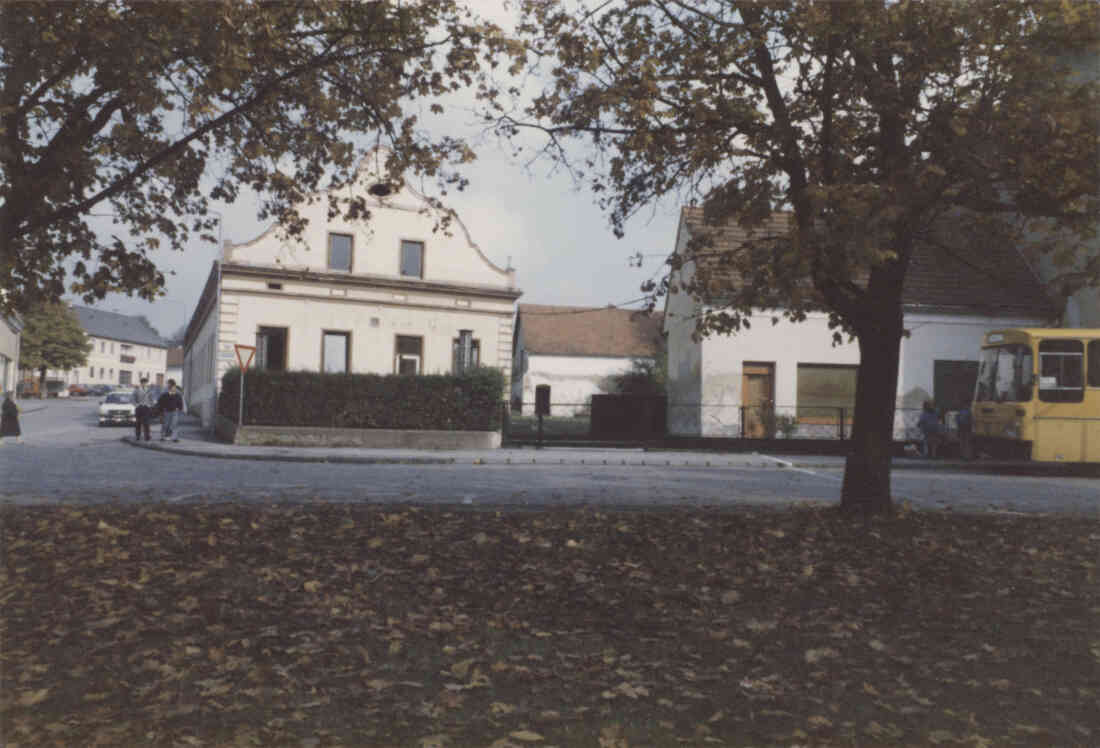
<point x="244" y="362"/>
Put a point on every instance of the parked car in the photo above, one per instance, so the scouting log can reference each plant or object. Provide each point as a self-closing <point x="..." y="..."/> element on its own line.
<point x="117" y="408"/>
<point x="79" y="390"/>
<point x="99" y="390"/>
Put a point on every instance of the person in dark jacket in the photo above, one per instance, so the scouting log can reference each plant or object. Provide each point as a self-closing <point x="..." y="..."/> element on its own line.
<point x="143" y="413"/>
<point x="930" y="428"/>
<point x="9" y="419"/>
<point x="170" y="403"/>
<point x="964" y="421"/>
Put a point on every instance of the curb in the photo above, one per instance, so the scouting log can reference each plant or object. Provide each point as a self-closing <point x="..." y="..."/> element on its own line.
<point x="333" y="459"/>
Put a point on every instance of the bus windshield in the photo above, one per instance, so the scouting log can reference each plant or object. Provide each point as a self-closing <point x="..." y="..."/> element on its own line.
<point x="1005" y="374"/>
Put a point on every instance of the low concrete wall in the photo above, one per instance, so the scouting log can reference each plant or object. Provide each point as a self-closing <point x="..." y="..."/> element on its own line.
<point x="306" y="436"/>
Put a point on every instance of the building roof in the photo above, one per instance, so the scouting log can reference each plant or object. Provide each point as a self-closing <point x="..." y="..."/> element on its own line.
<point x="993" y="278"/>
<point x="589" y="331"/>
<point x="115" y="326"/>
<point x="175" y="357"/>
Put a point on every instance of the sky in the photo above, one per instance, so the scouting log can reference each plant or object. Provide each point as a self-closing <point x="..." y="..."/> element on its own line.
<point x="531" y="215"/>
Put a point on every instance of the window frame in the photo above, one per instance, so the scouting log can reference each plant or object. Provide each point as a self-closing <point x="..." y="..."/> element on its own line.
<point x="351" y="252"/>
<point x="1060" y="347"/>
<point x="824" y="418"/>
<point x="475" y="348"/>
<point x="401" y="257"/>
<point x="346" y="334"/>
<point x="398" y="356"/>
<point x="263" y="356"/>
<point x="1092" y="364"/>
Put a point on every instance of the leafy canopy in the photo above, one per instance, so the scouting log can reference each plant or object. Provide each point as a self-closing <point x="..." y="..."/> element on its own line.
<point x="148" y="111"/>
<point x="877" y="124"/>
<point x="53" y="339"/>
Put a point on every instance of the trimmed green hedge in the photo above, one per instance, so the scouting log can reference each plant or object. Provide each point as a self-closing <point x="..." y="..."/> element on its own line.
<point x="470" y="402"/>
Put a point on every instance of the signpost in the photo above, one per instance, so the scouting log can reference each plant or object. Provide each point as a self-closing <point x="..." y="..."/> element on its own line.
<point x="244" y="362"/>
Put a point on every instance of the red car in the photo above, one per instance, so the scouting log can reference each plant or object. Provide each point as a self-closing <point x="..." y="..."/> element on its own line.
<point x="78" y="390"/>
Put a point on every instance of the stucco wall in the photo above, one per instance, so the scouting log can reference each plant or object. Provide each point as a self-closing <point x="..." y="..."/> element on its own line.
<point x="200" y="386"/>
<point x="9" y="355"/>
<point x="376" y="244"/>
<point x="685" y="362"/>
<point x="573" y="380"/>
<point x="374" y="328"/>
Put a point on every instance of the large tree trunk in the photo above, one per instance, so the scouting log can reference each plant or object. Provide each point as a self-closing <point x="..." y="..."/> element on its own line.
<point x="866" y="486"/>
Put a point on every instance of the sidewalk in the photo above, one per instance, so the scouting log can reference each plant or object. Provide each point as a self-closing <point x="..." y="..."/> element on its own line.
<point x="196" y="442"/>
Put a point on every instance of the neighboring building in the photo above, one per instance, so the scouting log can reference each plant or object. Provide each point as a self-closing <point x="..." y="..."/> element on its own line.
<point x="388" y="296"/>
<point x="11" y="329"/>
<point x="575" y="349"/>
<point x="795" y="368"/>
<point x="124" y="349"/>
<point x="174" y="366"/>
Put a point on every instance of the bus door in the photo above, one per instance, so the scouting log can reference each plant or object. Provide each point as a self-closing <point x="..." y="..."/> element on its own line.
<point x="1060" y="418"/>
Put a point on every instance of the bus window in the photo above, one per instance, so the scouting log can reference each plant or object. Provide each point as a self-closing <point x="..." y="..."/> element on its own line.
<point x="1004" y="374"/>
<point x="1094" y="363"/>
<point x="1061" y="371"/>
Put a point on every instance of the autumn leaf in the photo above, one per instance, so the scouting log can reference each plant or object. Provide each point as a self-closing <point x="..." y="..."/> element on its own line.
<point x="526" y="736"/>
<point x="30" y="698"/>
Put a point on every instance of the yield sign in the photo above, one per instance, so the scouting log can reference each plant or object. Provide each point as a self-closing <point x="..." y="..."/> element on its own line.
<point x="244" y="362"/>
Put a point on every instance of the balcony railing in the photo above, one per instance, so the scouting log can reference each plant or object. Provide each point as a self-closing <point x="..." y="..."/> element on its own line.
<point x="127" y="359"/>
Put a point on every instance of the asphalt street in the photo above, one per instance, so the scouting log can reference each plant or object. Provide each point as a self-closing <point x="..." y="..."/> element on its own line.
<point x="67" y="458"/>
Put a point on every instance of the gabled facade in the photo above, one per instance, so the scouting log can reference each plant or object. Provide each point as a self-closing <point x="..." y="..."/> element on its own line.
<point x="574" y="350"/>
<point x="719" y="385"/>
<point x="124" y="349"/>
<point x="388" y="295"/>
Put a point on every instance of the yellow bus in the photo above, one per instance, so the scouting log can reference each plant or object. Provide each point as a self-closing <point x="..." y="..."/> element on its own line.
<point x="1038" y="395"/>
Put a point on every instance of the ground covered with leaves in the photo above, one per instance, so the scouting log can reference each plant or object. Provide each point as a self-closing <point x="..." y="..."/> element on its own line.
<point x="312" y="626"/>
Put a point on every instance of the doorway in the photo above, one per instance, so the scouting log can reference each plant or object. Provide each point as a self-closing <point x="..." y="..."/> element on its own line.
<point x="757" y="397"/>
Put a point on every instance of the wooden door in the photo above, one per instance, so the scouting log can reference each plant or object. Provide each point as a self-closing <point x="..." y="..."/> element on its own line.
<point x="757" y="394"/>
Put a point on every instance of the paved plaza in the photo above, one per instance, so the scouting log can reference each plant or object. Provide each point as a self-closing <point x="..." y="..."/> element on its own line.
<point x="67" y="458"/>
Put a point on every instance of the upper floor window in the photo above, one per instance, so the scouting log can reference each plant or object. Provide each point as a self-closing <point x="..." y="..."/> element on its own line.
<point x="412" y="259"/>
<point x="339" y="252"/>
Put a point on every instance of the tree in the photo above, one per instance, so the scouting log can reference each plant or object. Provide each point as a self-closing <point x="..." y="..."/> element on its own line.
<point x="880" y="125"/>
<point x="52" y="339"/>
<point x="124" y="108"/>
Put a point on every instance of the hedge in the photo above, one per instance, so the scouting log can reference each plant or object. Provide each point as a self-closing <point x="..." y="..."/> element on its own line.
<point x="467" y="402"/>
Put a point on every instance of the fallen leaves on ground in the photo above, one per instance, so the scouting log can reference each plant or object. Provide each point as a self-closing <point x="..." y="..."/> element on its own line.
<point x="325" y="625"/>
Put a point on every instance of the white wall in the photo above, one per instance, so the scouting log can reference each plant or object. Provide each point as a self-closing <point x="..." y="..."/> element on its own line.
<point x="9" y="355"/>
<point x="373" y="327"/>
<point x="200" y="387"/>
<point x="573" y="380"/>
<point x="377" y="243"/>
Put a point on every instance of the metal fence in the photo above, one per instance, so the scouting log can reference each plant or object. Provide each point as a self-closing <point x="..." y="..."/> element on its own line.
<point x="573" y="421"/>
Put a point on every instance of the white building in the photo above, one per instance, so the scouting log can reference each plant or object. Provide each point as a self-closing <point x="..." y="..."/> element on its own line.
<point x="795" y="368"/>
<point x="124" y="350"/>
<point x="388" y="295"/>
<point x="11" y="329"/>
<point x="574" y="350"/>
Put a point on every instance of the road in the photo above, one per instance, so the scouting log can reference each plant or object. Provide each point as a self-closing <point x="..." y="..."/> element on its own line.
<point x="67" y="458"/>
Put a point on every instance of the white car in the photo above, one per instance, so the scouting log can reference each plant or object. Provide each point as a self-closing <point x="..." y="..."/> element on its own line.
<point x="117" y="408"/>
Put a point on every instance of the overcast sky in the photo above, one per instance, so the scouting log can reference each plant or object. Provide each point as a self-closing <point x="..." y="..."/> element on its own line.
<point x="558" y="240"/>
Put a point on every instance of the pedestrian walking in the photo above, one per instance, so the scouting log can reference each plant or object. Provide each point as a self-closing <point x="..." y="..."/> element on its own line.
<point x="930" y="428"/>
<point x="170" y="404"/>
<point x="9" y="419"/>
<point x="143" y="409"/>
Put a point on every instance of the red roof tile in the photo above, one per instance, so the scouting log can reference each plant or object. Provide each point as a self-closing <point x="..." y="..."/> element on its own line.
<point x="589" y="331"/>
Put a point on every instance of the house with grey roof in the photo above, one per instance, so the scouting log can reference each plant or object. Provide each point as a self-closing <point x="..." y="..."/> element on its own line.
<point x="737" y="385"/>
<point x="125" y="349"/>
<point x="575" y="349"/>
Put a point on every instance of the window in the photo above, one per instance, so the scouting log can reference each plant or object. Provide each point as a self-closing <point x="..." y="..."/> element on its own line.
<point x="465" y="352"/>
<point x="276" y="286"/>
<point x="1094" y="363"/>
<point x="271" y="348"/>
<point x="1061" y="371"/>
<point x="101" y="372"/>
<point x="125" y="377"/>
<point x="339" y="252"/>
<point x="825" y="388"/>
<point x="91" y="372"/>
<point x="410" y="352"/>
<point x="412" y="259"/>
<point x="102" y="346"/>
<point x="335" y="352"/>
<point x="1005" y="374"/>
